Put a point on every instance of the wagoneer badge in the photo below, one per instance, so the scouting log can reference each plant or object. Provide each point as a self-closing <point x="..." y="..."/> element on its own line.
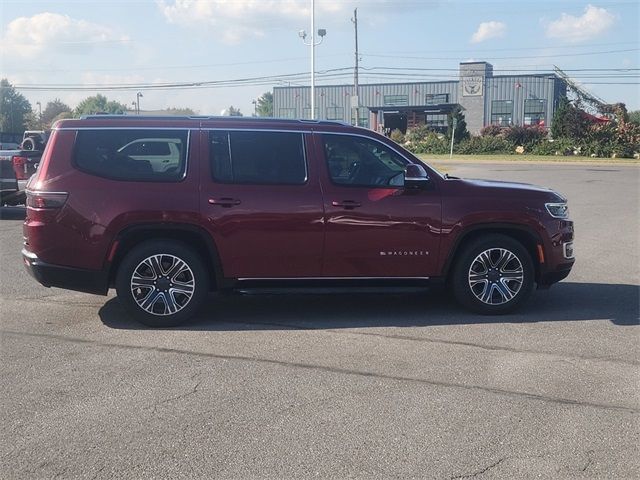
<point x="403" y="253"/>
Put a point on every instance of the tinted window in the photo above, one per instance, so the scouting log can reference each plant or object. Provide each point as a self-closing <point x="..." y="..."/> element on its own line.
<point x="137" y="155"/>
<point x="257" y="157"/>
<point x="361" y="161"/>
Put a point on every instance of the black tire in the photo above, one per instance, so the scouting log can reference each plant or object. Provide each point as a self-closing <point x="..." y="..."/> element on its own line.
<point x="179" y="290"/>
<point x="503" y="285"/>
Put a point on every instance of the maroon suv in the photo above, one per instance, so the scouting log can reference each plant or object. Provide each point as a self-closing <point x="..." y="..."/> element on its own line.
<point x="169" y="209"/>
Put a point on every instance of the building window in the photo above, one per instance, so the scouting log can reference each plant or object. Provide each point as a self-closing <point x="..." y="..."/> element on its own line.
<point x="534" y="111"/>
<point x="287" y="113"/>
<point x="363" y="117"/>
<point x="396" y="100"/>
<point x="335" y="113"/>
<point x="435" y="120"/>
<point x="257" y="157"/>
<point x="502" y="112"/>
<point x="436" y="98"/>
<point x="306" y="113"/>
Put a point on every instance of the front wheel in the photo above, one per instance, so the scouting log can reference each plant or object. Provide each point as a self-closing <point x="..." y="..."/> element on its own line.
<point x="162" y="283"/>
<point x="494" y="275"/>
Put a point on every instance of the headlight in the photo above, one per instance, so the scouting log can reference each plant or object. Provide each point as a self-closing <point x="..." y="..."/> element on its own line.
<point x="557" y="210"/>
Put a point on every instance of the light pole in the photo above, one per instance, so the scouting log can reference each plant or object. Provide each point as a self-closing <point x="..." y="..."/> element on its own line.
<point x="138" y="95"/>
<point x="312" y="43"/>
<point x="255" y="108"/>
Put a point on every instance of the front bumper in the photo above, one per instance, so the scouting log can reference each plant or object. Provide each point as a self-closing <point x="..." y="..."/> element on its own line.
<point x="80" y="280"/>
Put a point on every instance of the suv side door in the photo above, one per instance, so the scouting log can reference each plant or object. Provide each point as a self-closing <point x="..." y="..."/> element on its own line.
<point x="374" y="226"/>
<point x="262" y="203"/>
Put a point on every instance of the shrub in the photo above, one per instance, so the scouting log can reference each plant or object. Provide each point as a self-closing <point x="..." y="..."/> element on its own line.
<point x="397" y="136"/>
<point x="418" y="134"/>
<point x="527" y="137"/>
<point x="431" y="143"/>
<point x="491" y="131"/>
<point x="558" y="146"/>
<point x="484" y="145"/>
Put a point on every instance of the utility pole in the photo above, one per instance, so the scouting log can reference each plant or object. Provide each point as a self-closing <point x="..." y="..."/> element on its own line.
<point x="355" y="71"/>
<point x="312" y="43"/>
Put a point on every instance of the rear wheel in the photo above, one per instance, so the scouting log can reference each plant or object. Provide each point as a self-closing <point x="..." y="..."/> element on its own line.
<point x="162" y="283"/>
<point x="494" y="275"/>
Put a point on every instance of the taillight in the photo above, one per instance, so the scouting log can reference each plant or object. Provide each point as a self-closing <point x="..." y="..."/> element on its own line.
<point x="20" y="167"/>
<point x="46" y="199"/>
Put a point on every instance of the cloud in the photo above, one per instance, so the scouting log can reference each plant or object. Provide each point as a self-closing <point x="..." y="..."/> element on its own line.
<point x="592" y="23"/>
<point x="238" y="20"/>
<point x="31" y="36"/>
<point x="488" y="30"/>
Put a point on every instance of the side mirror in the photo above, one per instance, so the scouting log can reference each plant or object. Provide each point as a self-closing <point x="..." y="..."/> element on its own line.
<point x="415" y="176"/>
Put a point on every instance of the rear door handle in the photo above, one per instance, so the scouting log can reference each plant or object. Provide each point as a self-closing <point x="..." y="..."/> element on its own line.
<point x="224" y="202"/>
<point x="347" y="204"/>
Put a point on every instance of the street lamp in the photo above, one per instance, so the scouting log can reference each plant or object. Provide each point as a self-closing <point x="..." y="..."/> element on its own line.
<point x="39" y="114"/>
<point x="138" y="95"/>
<point x="312" y="43"/>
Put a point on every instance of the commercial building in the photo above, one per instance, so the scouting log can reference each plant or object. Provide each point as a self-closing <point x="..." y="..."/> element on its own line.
<point x="487" y="99"/>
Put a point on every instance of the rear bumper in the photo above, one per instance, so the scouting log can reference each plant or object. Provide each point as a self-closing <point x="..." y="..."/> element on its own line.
<point x="80" y="280"/>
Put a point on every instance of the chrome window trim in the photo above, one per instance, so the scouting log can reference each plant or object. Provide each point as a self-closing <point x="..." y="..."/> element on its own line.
<point x="120" y="127"/>
<point x="277" y="130"/>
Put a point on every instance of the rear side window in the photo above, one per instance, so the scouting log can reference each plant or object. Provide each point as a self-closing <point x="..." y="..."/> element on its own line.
<point x="255" y="157"/>
<point x="131" y="154"/>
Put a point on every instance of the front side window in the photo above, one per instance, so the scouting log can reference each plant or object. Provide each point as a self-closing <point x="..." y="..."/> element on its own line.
<point x="502" y="112"/>
<point x="131" y="154"/>
<point x="360" y="161"/>
<point x="257" y="157"/>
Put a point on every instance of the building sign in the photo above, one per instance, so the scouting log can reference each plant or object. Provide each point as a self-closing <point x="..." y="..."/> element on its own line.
<point x="472" y="86"/>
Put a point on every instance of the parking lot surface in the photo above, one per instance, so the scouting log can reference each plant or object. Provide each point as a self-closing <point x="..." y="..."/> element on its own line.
<point x="357" y="385"/>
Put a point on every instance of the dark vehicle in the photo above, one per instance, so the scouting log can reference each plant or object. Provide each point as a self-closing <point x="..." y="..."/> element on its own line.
<point x="34" y="140"/>
<point x="17" y="168"/>
<point x="168" y="209"/>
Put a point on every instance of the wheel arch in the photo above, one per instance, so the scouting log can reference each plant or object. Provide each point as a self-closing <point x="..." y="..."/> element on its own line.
<point x="191" y="235"/>
<point x="525" y="235"/>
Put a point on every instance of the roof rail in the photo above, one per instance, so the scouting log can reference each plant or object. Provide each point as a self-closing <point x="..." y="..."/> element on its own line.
<point x="208" y="117"/>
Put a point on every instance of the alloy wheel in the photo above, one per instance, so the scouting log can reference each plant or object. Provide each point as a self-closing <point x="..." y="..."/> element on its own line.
<point x="496" y="276"/>
<point x="162" y="284"/>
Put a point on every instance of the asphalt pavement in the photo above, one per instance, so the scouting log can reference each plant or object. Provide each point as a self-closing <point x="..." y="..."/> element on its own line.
<point x="400" y="385"/>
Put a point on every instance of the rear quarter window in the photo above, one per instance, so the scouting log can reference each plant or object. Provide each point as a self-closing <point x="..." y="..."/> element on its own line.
<point x="132" y="154"/>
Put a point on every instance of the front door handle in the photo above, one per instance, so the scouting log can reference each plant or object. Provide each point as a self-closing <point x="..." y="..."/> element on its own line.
<point x="224" y="202"/>
<point x="347" y="204"/>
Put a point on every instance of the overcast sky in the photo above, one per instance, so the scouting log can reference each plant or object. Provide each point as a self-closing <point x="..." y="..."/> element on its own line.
<point x="95" y="43"/>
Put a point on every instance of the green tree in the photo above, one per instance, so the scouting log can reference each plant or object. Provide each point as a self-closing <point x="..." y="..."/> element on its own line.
<point x="179" y="111"/>
<point x="52" y="110"/>
<point x="264" y="107"/>
<point x="234" y="112"/>
<point x="461" y="132"/>
<point x="15" y="109"/>
<point x="99" y="104"/>
<point x="569" y="121"/>
<point x="634" y="117"/>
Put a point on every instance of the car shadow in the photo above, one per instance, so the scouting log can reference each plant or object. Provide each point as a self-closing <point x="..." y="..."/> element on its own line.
<point x="564" y="302"/>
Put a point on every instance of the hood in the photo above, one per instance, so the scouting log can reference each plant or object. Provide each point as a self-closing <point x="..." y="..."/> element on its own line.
<point x="510" y="189"/>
